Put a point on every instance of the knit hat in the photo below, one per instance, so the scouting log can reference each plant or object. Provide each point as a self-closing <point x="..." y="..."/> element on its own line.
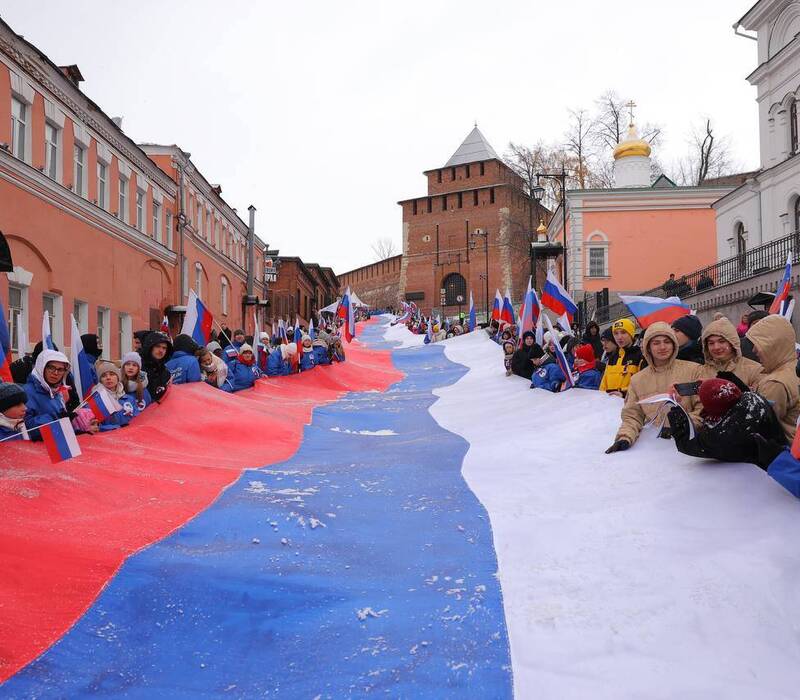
<point x="238" y="331"/>
<point x="245" y="348"/>
<point x="586" y="353"/>
<point x="213" y="346"/>
<point x="717" y="396"/>
<point x="509" y="343"/>
<point x="11" y="395"/>
<point x="690" y="326"/>
<point x="607" y="334"/>
<point x="134" y="357"/>
<point x="185" y="343"/>
<point x="104" y="366"/>
<point x="624" y="324"/>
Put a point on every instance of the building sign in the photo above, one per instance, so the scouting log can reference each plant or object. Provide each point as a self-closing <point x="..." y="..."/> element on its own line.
<point x="270" y="271"/>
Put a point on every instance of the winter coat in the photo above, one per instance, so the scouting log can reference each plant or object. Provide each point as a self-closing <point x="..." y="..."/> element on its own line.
<point x="242" y="376"/>
<point x="158" y="375"/>
<point x="230" y="353"/>
<point x="594" y="341"/>
<point x="321" y="354"/>
<point x="549" y="376"/>
<point x="44" y="403"/>
<point x="308" y="360"/>
<point x="691" y="352"/>
<point x="730" y="439"/>
<point x="276" y="365"/>
<point x="521" y="363"/>
<point x="621" y="366"/>
<point x="774" y="339"/>
<point x="222" y="371"/>
<point x="785" y="469"/>
<point x="656" y="380"/>
<point x="590" y="379"/>
<point x="11" y="430"/>
<point x="183" y="368"/>
<point x="747" y="370"/>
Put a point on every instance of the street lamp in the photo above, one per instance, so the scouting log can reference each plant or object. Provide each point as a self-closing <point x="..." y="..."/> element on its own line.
<point x="478" y="232"/>
<point x="538" y="193"/>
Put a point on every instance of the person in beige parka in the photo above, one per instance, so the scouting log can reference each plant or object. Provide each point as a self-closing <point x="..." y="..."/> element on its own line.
<point x="722" y="350"/>
<point x="660" y="348"/>
<point x="773" y="339"/>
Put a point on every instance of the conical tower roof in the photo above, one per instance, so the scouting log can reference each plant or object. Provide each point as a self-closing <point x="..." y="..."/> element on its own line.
<point x="474" y="149"/>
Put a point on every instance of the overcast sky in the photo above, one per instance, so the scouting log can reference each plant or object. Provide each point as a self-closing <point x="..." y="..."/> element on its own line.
<point x="324" y="114"/>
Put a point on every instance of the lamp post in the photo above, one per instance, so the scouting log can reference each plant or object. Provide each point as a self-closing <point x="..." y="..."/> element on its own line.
<point x="538" y="193"/>
<point x="480" y="232"/>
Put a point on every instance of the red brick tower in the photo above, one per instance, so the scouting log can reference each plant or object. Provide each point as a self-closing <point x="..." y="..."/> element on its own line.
<point x="442" y="259"/>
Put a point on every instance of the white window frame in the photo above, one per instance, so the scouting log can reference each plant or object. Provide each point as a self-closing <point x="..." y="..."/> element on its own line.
<point x="224" y="295"/>
<point x="52" y="152"/>
<point x="591" y="253"/>
<point x="18" y="317"/>
<point x="104" y="329"/>
<point x="79" y="173"/>
<point x="199" y="220"/>
<point x="56" y="318"/>
<point x="198" y="280"/>
<point x="80" y="309"/>
<point x="156" y="221"/>
<point x="140" y="207"/>
<point x="125" y="333"/>
<point x="20" y="128"/>
<point x="122" y="199"/>
<point x="102" y="185"/>
<point x="168" y="229"/>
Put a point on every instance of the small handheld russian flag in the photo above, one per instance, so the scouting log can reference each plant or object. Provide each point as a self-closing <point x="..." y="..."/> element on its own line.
<point x="102" y="404"/>
<point x="778" y="305"/>
<point x="82" y="364"/>
<point x="198" y="320"/>
<point x="345" y="312"/>
<point x="648" y="310"/>
<point x="165" y="327"/>
<point x="60" y="441"/>
<point x="472" y="319"/>
<point x="556" y="298"/>
<point x="507" y="313"/>
<point x="561" y="358"/>
<point x="497" y="306"/>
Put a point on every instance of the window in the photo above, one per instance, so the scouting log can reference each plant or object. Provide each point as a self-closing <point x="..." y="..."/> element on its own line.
<point x="475" y="198"/>
<point x="168" y="227"/>
<point x="102" y="185"/>
<point x="52" y="303"/>
<point x="460" y="200"/>
<point x="741" y="241"/>
<point x="123" y="199"/>
<point x="51" y="151"/>
<point x="19" y="123"/>
<point x="452" y="174"/>
<point x="482" y="169"/>
<point x="16" y="318"/>
<point x="455" y="289"/>
<point x="793" y="126"/>
<point x="467" y="170"/>
<point x="797" y="214"/>
<point x="157" y="221"/>
<point x="80" y="310"/>
<point x="80" y="166"/>
<point x="491" y="195"/>
<point x="198" y="280"/>
<point x="444" y="202"/>
<point x="140" y="210"/>
<point x="224" y="296"/>
<point x="430" y="205"/>
<point x="597" y="262"/>
<point x="125" y="334"/>
<point x="198" y="221"/>
<point x="104" y="329"/>
<point x="438" y="176"/>
<point x="414" y="207"/>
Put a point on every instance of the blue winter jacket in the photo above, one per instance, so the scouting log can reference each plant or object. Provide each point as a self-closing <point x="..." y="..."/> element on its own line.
<point x="308" y="360"/>
<point x="8" y="432"/>
<point x="589" y="380"/>
<point x="785" y="469"/>
<point x="241" y="376"/>
<point x="183" y="367"/>
<point x="276" y="365"/>
<point x="321" y="355"/>
<point x="230" y="353"/>
<point x="42" y="406"/>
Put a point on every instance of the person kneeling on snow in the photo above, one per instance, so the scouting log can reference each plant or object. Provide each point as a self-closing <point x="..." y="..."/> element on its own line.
<point x="522" y="362"/>
<point x="183" y="365"/>
<point x="586" y="365"/>
<point x="664" y="370"/>
<point x="730" y="420"/>
<point x="508" y="356"/>
<point x="550" y="376"/>
<point x="308" y="360"/>
<point x="243" y="372"/>
<point x="12" y="411"/>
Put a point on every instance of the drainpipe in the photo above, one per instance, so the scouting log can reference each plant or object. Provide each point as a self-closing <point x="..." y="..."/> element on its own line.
<point x="251" y="250"/>
<point x="181" y="227"/>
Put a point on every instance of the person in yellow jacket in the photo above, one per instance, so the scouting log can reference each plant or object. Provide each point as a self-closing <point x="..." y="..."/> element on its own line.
<point x="773" y="340"/>
<point x="663" y="371"/>
<point x="722" y="350"/>
<point x="624" y="362"/>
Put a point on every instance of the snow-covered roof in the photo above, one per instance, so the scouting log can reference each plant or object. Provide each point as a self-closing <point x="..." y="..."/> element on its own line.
<point x="475" y="148"/>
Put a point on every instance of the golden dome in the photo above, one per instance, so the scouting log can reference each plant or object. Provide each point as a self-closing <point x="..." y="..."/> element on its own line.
<point x="542" y="228"/>
<point x="632" y="146"/>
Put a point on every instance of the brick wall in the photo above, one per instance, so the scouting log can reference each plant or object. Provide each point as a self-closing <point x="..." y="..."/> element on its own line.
<point x="377" y="285"/>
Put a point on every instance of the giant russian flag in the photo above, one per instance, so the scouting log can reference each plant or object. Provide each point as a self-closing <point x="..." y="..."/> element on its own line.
<point x="198" y="320"/>
<point x="507" y="313"/>
<point x="497" y="307"/>
<point x="648" y="310"/>
<point x="60" y="441"/>
<point x="782" y="294"/>
<point x="557" y="299"/>
<point x="345" y="312"/>
<point x="5" y="347"/>
<point x="82" y="365"/>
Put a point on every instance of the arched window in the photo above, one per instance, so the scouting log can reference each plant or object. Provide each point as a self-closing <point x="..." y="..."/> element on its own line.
<point x="224" y="296"/>
<point x="198" y="280"/>
<point x="741" y="241"/>
<point x="455" y="290"/>
<point x="797" y="214"/>
<point x="793" y="141"/>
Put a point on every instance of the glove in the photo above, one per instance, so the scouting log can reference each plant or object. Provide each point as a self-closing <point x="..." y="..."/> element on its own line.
<point x="678" y="423"/>
<point x="618" y="446"/>
<point x="83" y="420"/>
<point x="731" y="377"/>
<point x="768" y="450"/>
<point x="665" y="433"/>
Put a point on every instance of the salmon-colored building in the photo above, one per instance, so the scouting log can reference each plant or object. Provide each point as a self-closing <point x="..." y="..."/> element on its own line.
<point x="632" y="237"/>
<point x="96" y="227"/>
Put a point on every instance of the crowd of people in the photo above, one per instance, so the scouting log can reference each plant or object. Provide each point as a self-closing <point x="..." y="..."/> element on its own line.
<point x="721" y="391"/>
<point x="44" y="387"/>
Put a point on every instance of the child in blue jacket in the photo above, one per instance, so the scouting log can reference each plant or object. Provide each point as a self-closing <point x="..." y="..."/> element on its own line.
<point x="321" y="355"/>
<point x="586" y="365"/>
<point x="12" y="411"/>
<point x="308" y="359"/>
<point x="111" y="379"/>
<point x="550" y="375"/>
<point x="183" y="365"/>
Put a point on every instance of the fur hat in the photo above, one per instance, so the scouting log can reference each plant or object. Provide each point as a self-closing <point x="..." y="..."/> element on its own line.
<point x="689" y="325"/>
<point x="718" y="396"/>
<point x="11" y="395"/>
<point x="245" y="348"/>
<point x="624" y="324"/>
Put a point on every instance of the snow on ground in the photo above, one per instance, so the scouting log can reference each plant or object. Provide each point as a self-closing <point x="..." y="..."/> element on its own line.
<point x="402" y="337"/>
<point x="643" y="574"/>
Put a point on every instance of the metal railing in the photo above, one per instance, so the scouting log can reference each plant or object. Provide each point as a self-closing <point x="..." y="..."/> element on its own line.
<point x="746" y="265"/>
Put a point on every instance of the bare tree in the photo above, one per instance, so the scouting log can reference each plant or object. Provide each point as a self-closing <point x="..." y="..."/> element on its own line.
<point x="709" y="156"/>
<point x="384" y="248"/>
<point x="579" y="134"/>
